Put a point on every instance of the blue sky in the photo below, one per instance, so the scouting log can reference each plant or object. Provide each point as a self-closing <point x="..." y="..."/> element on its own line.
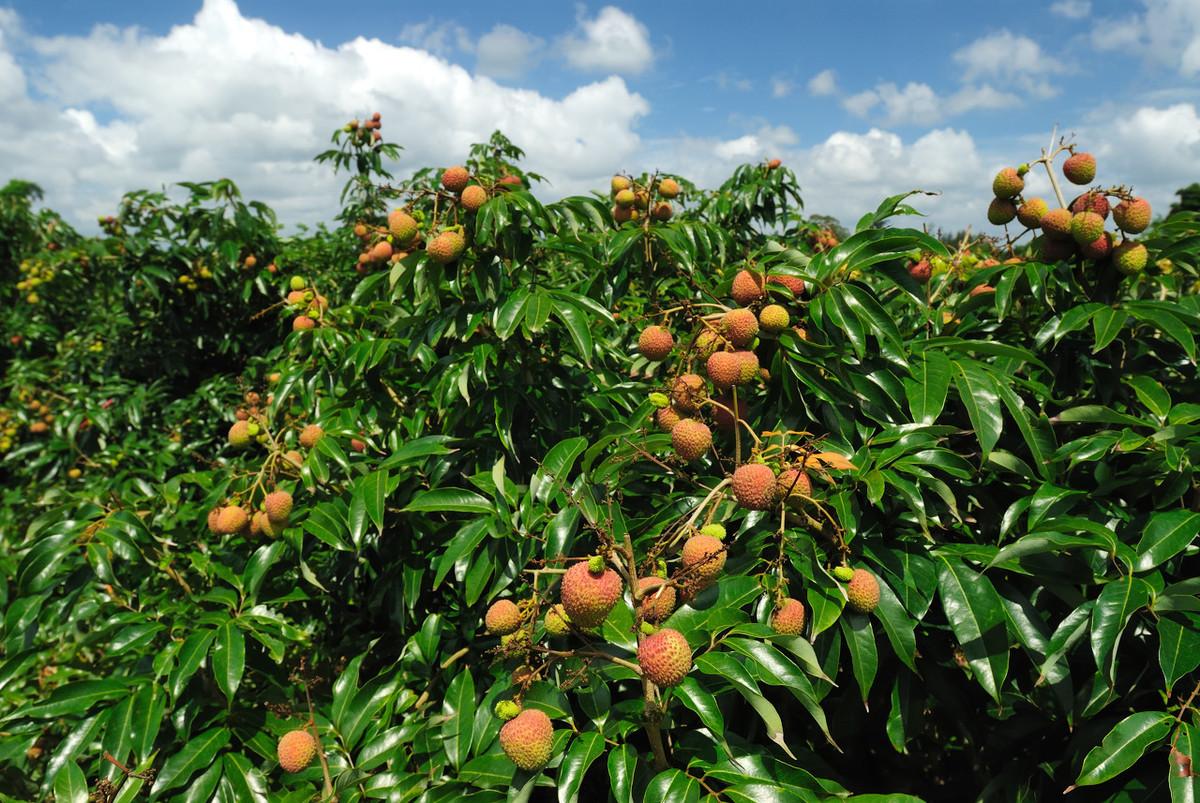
<point x="862" y="99"/>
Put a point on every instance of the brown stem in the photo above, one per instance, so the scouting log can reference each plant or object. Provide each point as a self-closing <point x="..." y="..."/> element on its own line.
<point x="327" y="791"/>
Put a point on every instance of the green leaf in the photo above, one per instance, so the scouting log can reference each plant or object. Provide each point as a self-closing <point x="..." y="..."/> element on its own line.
<point x="978" y="394"/>
<point x="197" y="754"/>
<point x="976" y="616"/>
<point x="373" y="489"/>
<point x="675" y="786"/>
<point x="695" y="697"/>
<point x="1107" y="323"/>
<point x="458" y="710"/>
<point x="622" y="767"/>
<point x="1116" y="603"/>
<point x="75" y="698"/>
<point x="864" y="656"/>
<point x="1123" y="746"/>
<point x="586" y="748"/>
<point x="927" y="389"/>
<point x="449" y="500"/>
<point x="1166" y="535"/>
<point x="1178" y="645"/>
<point x="229" y="658"/>
<point x="70" y="786"/>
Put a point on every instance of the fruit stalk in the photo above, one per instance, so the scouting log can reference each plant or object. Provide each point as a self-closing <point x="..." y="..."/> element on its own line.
<point x="327" y="791"/>
<point x="1047" y="160"/>
<point x="653" y="730"/>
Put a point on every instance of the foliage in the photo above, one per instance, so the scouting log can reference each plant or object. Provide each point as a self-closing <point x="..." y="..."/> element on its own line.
<point x="1010" y="449"/>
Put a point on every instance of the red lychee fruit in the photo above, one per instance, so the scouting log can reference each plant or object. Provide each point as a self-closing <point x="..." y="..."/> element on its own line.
<point x="665" y="657"/>
<point x="588" y="596"/>
<point x="655" y="343"/>
<point x="724" y="369"/>
<point x="232" y="519"/>
<point x="920" y="271"/>
<point x="455" y="179"/>
<point x="446" y="247"/>
<point x="703" y="558"/>
<point x="1057" y="222"/>
<point x="310" y="435"/>
<point x="794" y="486"/>
<point x="1080" y="168"/>
<point x="793" y="283"/>
<point x="740" y="327"/>
<point x="862" y="592"/>
<point x="1132" y="216"/>
<point x="691" y="439"/>
<point x="1007" y="184"/>
<point x="788" y="618"/>
<point x="1099" y="248"/>
<point x="528" y="739"/>
<point x="666" y="418"/>
<point x="1091" y="202"/>
<point x="1031" y="212"/>
<point x="502" y="618"/>
<point x="278" y="505"/>
<point x="754" y="486"/>
<point x="474" y="197"/>
<point x="747" y="287"/>
<point x="296" y="750"/>
<point x="687" y="392"/>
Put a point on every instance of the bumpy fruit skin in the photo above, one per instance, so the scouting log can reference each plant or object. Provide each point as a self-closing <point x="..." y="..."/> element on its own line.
<point x="296" y="750"/>
<point x="1001" y="211"/>
<point x="620" y="183"/>
<point x="794" y="485"/>
<point x="1086" y="227"/>
<point x="665" y="657"/>
<point x="239" y="434"/>
<point x="706" y="344"/>
<point x="788" y="618"/>
<point x="668" y="188"/>
<point x="310" y="435"/>
<point x="214" y="517"/>
<point x="1091" y="202"/>
<point x="747" y="287"/>
<point x="843" y="573"/>
<point x="502" y="618"/>
<point x="655" y="343"/>
<point x="747" y="366"/>
<point x="624" y="214"/>
<point x="1080" y="168"/>
<point x="703" y="557"/>
<point x="474" y="197"/>
<point x="920" y="271"/>
<point x="656" y="605"/>
<point x="588" y="596"/>
<point x="278" y="505"/>
<point x="528" y="739"/>
<point x="456" y="178"/>
<point x="687" y="392"/>
<point x="297" y="298"/>
<point x="723" y="369"/>
<point x="1007" y="184"/>
<point x="716" y="531"/>
<point x="773" y="319"/>
<point x="556" y="621"/>
<point x="754" y="486"/>
<point x="691" y="439"/>
<point x="666" y="418"/>
<point x="506" y="709"/>
<point x="1099" y="248"/>
<point x="862" y="593"/>
<point x="793" y="283"/>
<point x="1031" y="212"/>
<point x="1130" y="257"/>
<point x="1057" y="222"/>
<point x="740" y="327"/>
<point x="446" y="247"/>
<point x="1132" y="216"/>
<point x="402" y="226"/>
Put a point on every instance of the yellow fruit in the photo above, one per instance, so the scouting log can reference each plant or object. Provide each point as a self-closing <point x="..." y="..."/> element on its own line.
<point x="239" y="434"/>
<point x="557" y="622"/>
<point x="668" y="188"/>
<point x="296" y="750"/>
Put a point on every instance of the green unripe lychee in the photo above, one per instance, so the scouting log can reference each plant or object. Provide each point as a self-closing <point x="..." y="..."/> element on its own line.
<point x="773" y="318"/>
<point x="1080" y="168"/>
<point x="1130" y="257"/>
<point x="716" y="531"/>
<point x="1031" y="212"/>
<point x="239" y="434"/>
<point x="297" y="283"/>
<point x="556" y="621"/>
<point x="1132" y="216"/>
<point x="506" y="709"/>
<point x="659" y="400"/>
<point x="1086" y="227"/>
<point x="843" y="573"/>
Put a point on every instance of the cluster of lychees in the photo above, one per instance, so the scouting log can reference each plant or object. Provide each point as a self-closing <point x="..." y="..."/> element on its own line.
<point x="306" y="304"/>
<point x="691" y="557"/>
<point x="635" y="201"/>
<point x="1077" y="229"/>
<point x="366" y="132"/>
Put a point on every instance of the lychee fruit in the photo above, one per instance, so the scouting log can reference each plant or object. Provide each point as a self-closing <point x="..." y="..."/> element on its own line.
<point x="1086" y="227"/>
<point x="302" y="323"/>
<point x="402" y="226"/>
<point x="528" y="739"/>
<point x="748" y="368"/>
<point x="588" y="596"/>
<point x="214" y="518"/>
<point x="1055" y="249"/>
<point x="658" y="598"/>
<point x="687" y="392"/>
<point x="665" y="657"/>
<point x="278" y="505"/>
<point x="310" y="435"/>
<point x="724" y="369"/>
<point x="655" y="343"/>
<point x="920" y="271"/>
<point x="774" y="164"/>
<point x="707" y="342"/>
<point x="620" y="183"/>
<point x="1133" y="215"/>
<point x="747" y="287"/>
<point x="1099" y="248"/>
<point x="1031" y="212"/>
<point x="793" y="283"/>
<point x="446" y="247"/>
<point x="455" y="179"/>
<point x="1007" y="183"/>
<point x="294" y="457"/>
<point x="381" y="252"/>
<point x="1130" y="257"/>
<point x="232" y="519"/>
<point x="794" y="486"/>
<point x="666" y="418"/>
<point x="668" y="188"/>
<point x="1080" y="168"/>
<point x="502" y="618"/>
<point x="556" y="621"/>
<point x="862" y="592"/>
<point x="754" y="486"/>
<point x="1057" y="222"/>
<point x="1001" y="211"/>
<point x="662" y="211"/>
<point x="788" y="618"/>
<point x="773" y="319"/>
<point x="703" y="558"/>
<point x="625" y="198"/>
<point x="691" y="439"/>
<point x="239" y="434"/>
<point x="740" y="327"/>
<point x="1091" y="202"/>
<point x="296" y="750"/>
<point x="623" y="214"/>
<point x="474" y="197"/>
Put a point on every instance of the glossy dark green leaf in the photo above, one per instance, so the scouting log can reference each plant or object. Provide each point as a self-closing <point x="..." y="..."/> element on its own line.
<point x="1166" y="535"/>
<point x="458" y="708"/>
<point x="585" y="749"/>
<point x="1123" y="746"/>
<point x="229" y="658"/>
<point x="977" y="618"/>
<point x="199" y="753"/>
<point x="622" y="770"/>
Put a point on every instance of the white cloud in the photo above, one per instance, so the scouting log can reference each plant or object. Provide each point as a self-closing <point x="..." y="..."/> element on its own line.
<point x="440" y="38"/>
<point x="1167" y="32"/>
<point x="919" y="104"/>
<point x="613" y="41"/>
<point x="506" y="52"/>
<point x="1016" y="60"/>
<point x="823" y="83"/>
<point x="781" y="87"/>
<point x="1071" y="9"/>
<point x="727" y="81"/>
<point x="226" y="95"/>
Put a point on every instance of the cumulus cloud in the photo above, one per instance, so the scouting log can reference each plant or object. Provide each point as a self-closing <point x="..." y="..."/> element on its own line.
<point x="1016" y="60"/>
<point x="919" y="104"/>
<point x="1071" y="9"/>
<point x="612" y="41"/>
<point x="823" y="83"/>
<point x="781" y="87"/>
<point x="230" y="96"/>
<point x="440" y="38"/>
<point x="1167" y="32"/>
<point x="506" y="52"/>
